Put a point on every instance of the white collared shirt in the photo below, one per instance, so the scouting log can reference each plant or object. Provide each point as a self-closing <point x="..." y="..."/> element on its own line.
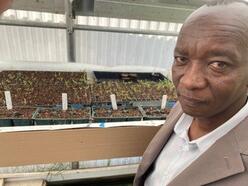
<point x="179" y="152"/>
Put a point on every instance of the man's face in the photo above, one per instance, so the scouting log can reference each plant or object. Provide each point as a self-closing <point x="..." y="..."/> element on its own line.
<point x="210" y="67"/>
<point x="4" y="5"/>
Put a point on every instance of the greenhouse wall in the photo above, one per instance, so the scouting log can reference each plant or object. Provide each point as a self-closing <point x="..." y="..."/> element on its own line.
<point x="32" y="44"/>
<point x="114" y="49"/>
<point x="92" y="47"/>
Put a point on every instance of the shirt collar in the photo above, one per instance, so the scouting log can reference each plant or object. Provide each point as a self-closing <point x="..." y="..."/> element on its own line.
<point x="181" y="129"/>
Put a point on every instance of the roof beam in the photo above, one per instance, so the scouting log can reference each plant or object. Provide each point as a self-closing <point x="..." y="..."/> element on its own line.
<point x="87" y="27"/>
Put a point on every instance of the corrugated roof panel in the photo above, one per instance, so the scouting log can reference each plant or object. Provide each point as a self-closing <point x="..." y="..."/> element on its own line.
<point x="179" y="27"/>
<point x="92" y="47"/>
<point x="154" y="25"/>
<point x="47" y="17"/>
<point x="128" y="23"/>
<point x="143" y="25"/>
<point x="172" y="27"/>
<point x="33" y="16"/>
<point x="134" y="24"/>
<point x="22" y="14"/>
<point x="90" y="20"/>
<point x="124" y="23"/>
<point x="114" y="22"/>
<point x="115" y="49"/>
<point x="103" y="21"/>
<point x="32" y="44"/>
<point x="9" y="14"/>
<point x="162" y="26"/>
<point x="82" y="20"/>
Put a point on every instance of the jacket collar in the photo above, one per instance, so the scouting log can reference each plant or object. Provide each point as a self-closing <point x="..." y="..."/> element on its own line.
<point x="221" y="160"/>
<point x="158" y="142"/>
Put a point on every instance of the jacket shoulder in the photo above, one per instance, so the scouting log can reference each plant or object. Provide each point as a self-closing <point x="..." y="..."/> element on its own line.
<point x="241" y="135"/>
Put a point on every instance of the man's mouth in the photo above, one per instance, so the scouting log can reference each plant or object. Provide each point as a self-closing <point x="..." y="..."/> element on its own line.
<point x="191" y="101"/>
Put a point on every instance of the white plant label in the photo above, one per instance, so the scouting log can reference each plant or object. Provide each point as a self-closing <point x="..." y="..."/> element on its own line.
<point x="113" y="101"/>
<point x="64" y="101"/>
<point x="164" y="100"/>
<point x="8" y="100"/>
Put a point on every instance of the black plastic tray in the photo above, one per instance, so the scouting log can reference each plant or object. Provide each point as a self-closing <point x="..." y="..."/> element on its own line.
<point x="6" y="122"/>
<point x="129" y="76"/>
<point x="59" y="121"/>
<point x="114" y="119"/>
<point x="15" y="121"/>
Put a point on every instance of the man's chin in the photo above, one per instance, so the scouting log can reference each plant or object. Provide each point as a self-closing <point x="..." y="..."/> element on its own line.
<point x="195" y="112"/>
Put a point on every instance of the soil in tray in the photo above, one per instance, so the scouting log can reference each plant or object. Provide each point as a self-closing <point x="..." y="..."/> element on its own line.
<point x="150" y="90"/>
<point x="16" y="116"/>
<point x="120" y="113"/>
<point x="156" y="111"/>
<point x="102" y="90"/>
<point x="79" y="94"/>
<point x="51" y="95"/>
<point x="2" y="99"/>
<point x="17" y="113"/>
<point x="44" y="88"/>
<point x="38" y="77"/>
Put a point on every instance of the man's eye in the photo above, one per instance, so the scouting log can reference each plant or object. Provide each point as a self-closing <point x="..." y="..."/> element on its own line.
<point x="218" y="65"/>
<point x="180" y="60"/>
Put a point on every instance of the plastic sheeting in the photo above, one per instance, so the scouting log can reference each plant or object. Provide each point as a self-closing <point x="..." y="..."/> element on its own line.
<point x="32" y="44"/>
<point x="95" y="48"/>
<point x="115" y="49"/>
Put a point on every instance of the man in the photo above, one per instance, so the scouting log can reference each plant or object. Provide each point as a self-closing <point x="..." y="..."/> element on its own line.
<point x="4" y="5"/>
<point x="205" y="138"/>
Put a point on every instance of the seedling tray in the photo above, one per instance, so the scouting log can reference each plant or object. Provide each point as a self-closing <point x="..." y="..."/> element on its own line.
<point x="4" y="122"/>
<point x="73" y="106"/>
<point x="106" y="114"/>
<point x="18" y="116"/>
<point x="170" y="104"/>
<point x="154" y="113"/>
<point x="108" y="104"/>
<point x="128" y="76"/>
<point x="22" y="122"/>
<point x="155" y="103"/>
<point x="36" y="88"/>
<point x="101" y="91"/>
<point x="55" y="116"/>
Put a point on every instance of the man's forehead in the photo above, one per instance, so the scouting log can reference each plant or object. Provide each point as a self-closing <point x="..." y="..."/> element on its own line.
<point x="222" y="9"/>
<point x="224" y="22"/>
<point x="233" y="11"/>
<point x="202" y="48"/>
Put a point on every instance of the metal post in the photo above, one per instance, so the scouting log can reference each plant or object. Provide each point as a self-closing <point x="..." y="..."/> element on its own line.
<point x="70" y="37"/>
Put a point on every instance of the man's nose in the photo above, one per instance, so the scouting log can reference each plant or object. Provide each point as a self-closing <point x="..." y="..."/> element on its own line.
<point x="193" y="78"/>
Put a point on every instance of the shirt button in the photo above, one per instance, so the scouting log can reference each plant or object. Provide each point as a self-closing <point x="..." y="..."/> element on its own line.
<point x="185" y="148"/>
<point x="192" y="146"/>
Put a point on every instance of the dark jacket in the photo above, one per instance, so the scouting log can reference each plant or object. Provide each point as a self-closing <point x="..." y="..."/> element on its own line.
<point x="225" y="163"/>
